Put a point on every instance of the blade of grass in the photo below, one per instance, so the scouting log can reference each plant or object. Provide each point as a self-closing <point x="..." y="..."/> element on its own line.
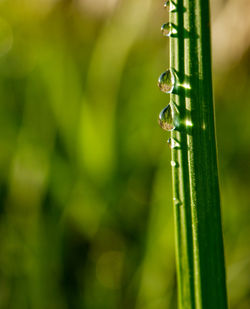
<point x="200" y="254"/>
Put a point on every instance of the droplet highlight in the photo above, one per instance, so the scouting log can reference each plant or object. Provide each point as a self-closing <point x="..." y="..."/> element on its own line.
<point x="166" y="121"/>
<point x="188" y="123"/>
<point x="166" y="81"/>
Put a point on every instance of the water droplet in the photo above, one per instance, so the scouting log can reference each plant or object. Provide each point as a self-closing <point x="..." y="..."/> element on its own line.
<point x="173" y="163"/>
<point x="177" y="202"/>
<point x="173" y="143"/>
<point x="166" y="4"/>
<point x="166" y="118"/>
<point x="166" y="81"/>
<point x="166" y="29"/>
<point x="170" y="5"/>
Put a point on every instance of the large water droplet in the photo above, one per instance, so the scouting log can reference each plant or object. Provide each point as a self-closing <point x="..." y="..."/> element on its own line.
<point x="166" y="81"/>
<point x="166" y="118"/>
<point x="173" y="143"/>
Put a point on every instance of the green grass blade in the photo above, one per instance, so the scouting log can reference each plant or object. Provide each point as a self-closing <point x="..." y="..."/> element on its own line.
<point x="200" y="254"/>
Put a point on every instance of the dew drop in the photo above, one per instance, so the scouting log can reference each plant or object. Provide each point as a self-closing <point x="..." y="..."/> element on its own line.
<point x="173" y="163"/>
<point x="166" y="119"/>
<point x="166" y="81"/>
<point x="169" y="142"/>
<point x="173" y="143"/>
<point x="166" y="4"/>
<point x="166" y="29"/>
<point x="177" y="202"/>
<point x="170" y="5"/>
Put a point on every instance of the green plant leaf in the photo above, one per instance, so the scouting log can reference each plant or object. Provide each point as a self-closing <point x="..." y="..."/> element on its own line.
<point x="199" y="243"/>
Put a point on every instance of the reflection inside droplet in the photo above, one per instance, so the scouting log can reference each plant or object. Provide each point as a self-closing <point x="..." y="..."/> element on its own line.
<point x="166" y="118"/>
<point x="166" y="81"/>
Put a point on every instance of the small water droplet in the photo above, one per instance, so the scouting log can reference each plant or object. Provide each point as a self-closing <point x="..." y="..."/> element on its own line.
<point x="173" y="163"/>
<point x="166" y="4"/>
<point x="173" y="143"/>
<point x="166" y="81"/>
<point x="166" y="118"/>
<point x="177" y="202"/>
<point x="169" y="4"/>
<point x="169" y="142"/>
<point x="166" y="29"/>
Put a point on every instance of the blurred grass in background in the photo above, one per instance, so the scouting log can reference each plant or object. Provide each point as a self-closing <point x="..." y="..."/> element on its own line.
<point x="85" y="181"/>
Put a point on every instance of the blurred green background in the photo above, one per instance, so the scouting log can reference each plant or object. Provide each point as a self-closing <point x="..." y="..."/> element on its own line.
<point x="85" y="181"/>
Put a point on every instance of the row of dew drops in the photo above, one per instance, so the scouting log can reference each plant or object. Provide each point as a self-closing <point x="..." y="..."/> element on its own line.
<point x="166" y="84"/>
